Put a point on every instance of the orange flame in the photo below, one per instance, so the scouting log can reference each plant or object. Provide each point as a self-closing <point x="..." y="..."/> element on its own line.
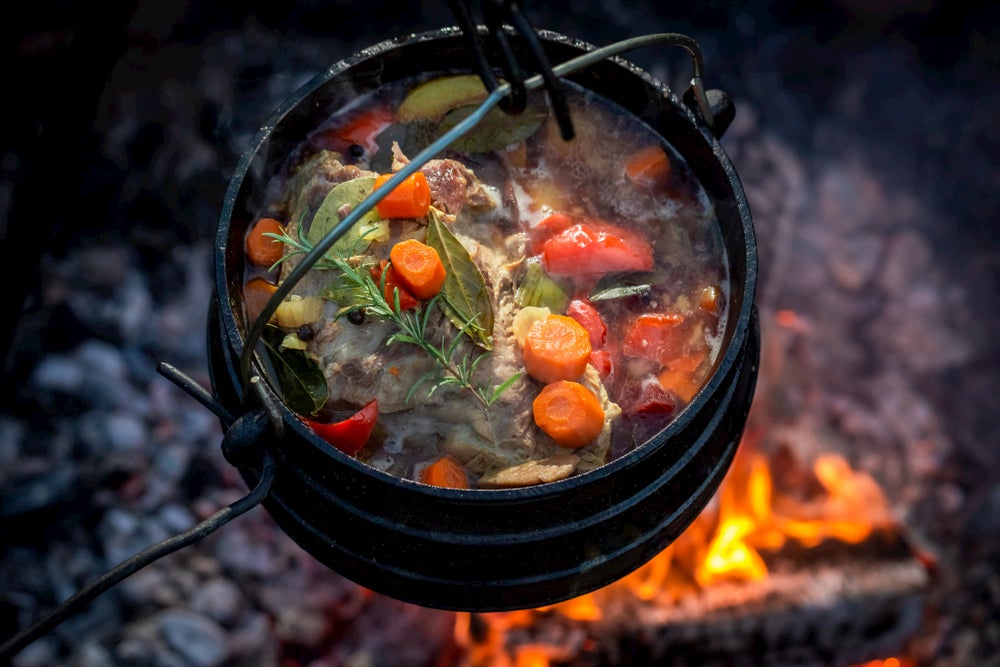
<point x="582" y="608"/>
<point x="750" y="519"/>
<point x="888" y="662"/>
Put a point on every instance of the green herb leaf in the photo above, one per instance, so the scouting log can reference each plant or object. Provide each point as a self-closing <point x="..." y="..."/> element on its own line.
<point x="466" y="300"/>
<point x="498" y="391"/>
<point x="464" y="297"/>
<point x="303" y="386"/>
<point x="621" y="285"/>
<point x="346" y="292"/>
<point x="496" y="130"/>
<point x="368" y="228"/>
<point x="538" y="288"/>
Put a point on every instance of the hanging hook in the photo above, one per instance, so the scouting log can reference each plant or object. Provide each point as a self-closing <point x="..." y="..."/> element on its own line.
<point x="497" y="14"/>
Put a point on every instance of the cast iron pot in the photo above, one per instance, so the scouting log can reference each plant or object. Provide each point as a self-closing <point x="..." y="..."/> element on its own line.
<point x="485" y="550"/>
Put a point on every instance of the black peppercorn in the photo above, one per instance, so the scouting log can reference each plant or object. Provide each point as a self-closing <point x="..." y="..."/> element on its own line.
<point x="305" y="332"/>
<point x="357" y="151"/>
<point x="356" y="316"/>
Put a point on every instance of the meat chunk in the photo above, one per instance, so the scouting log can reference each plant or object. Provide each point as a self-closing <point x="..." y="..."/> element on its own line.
<point x="453" y="186"/>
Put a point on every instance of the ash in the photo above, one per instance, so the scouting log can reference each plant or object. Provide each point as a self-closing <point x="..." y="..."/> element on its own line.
<point x="867" y="142"/>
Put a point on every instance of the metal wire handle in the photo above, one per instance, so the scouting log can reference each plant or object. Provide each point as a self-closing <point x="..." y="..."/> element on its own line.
<point x="501" y="91"/>
<point x="496" y="14"/>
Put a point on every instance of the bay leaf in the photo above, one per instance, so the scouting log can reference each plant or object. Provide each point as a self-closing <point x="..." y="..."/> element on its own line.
<point x="623" y="285"/>
<point x="368" y="228"/>
<point x="495" y="131"/>
<point x="466" y="300"/>
<point x="301" y="380"/>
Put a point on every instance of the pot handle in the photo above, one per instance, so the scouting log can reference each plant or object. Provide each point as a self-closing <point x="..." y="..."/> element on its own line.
<point x="497" y="14"/>
<point x="241" y="441"/>
<point x="713" y="107"/>
<point x="721" y="109"/>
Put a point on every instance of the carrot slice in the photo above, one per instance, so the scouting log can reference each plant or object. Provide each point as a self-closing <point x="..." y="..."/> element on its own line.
<point x="409" y="199"/>
<point x="445" y="472"/>
<point x="256" y="293"/>
<point x="393" y="286"/>
<point x="556" y="348"/>
<point x="418" y="268"/>
<point x="648" y="166"/>
<point x="569" y="413"/>
<point x="264" y="250"/>
<point x="680" y="382"/>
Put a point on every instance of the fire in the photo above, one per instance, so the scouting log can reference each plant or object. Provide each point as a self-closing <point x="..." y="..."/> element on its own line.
<point x="888" y="662"/>
<point x="754" y="512"/>
<point x="751" y="519"/>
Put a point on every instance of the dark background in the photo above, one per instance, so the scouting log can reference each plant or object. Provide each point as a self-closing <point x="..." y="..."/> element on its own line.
<point x="123" y="122"/>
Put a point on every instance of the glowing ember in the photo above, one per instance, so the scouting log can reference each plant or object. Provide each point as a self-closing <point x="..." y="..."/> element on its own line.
<point x="887" y="662"/>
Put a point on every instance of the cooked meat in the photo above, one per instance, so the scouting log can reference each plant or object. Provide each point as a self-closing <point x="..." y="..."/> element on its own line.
<point x="453" y="186"/>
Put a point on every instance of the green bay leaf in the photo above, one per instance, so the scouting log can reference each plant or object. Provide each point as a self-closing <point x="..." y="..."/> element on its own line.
<point x="302" y="383"/>
<point x="495" y="131"/>
<point x="466" y="300"/>
<point x="368" y="228"/>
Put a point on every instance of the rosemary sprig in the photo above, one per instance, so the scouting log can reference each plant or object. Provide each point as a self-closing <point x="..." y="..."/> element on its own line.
<point x="302" y="246"/>
<point x="412" y="327"/>
<point x="364" y="293"/>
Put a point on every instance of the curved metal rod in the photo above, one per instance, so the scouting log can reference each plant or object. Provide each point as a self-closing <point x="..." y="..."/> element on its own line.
<point x="196" y="391"/>
<point x="73" y="604"/>
<point x="445" y="140"/>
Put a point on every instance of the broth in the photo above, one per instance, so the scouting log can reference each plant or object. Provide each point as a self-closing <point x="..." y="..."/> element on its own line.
<point x="609" y="234"/>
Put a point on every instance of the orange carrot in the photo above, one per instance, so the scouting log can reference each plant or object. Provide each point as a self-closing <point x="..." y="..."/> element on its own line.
<point x="556" y="347"/>
<point x="418" y="268"/>
<point x="445" y="472"/>
<point x="409" y="199"/>
<point x="569" y="413"/>
<point x="709" y="298"/>
<point x="256" y="294"/>
<point x="688" y="362"/>
<point x="265" y="250"/>
<point x="649" y="165"/>
<point x="680" y="382"/>
<point x="392" y="286"/>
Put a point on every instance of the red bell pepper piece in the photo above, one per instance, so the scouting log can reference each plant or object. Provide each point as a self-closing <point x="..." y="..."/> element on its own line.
<point x="646" y="397"/>
<point x="601" y="360"/>
<point x="591" y="320"/>
<point x="362" y="129"/>
<point x="392" y="284"/>
<point x="551" y="225"/>
<point x="348" y="435"/>
<point x="656" y="336"/>
<point x="588" y="248"/>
